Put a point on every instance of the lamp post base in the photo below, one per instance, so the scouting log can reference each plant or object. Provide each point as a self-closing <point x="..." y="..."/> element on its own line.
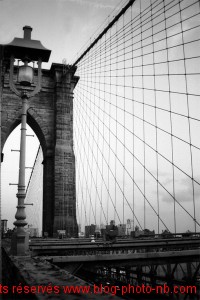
<point x="19" y="242"/>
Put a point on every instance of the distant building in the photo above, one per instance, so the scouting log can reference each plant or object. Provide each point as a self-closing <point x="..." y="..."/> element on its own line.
<point x="137" y="232"/>
<point x="33" y="232"/>
<point x="142" y="233"/>
<point x="81" y="235"/>
<point x="103" y="232"/>
<point x="90" y="230"/>
<point x="102" y="226"/>
<point x="128" y="227"/>
<point x="97" y="227"/>
<point x="97" y="233"/>
<point x="166" y="234"/>
<point x="121" y="229"/>
<point x="188" y="233"/>
<point x="79" y="228"/>
<point x="110" y="232"/>
<point x="3" y="227"/>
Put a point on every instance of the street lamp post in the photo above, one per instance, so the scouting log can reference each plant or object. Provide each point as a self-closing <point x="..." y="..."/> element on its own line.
<point x="20" y="237"/>
<point x="27" y="50"/>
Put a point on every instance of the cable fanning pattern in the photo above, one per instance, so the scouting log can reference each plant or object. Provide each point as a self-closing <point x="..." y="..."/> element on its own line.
<point x="137" y="120"/>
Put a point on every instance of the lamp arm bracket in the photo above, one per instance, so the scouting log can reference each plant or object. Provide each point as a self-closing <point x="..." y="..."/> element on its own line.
<point x="11" y="83"/>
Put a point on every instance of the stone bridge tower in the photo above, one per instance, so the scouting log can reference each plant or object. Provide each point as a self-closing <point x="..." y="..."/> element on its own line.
<point x="50" y="115"/>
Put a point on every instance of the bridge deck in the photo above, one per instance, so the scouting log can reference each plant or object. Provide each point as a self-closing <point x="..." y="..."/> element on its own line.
<point x="134" y="258"/>
<point x="52" y="247"/>
<point x="47" y="281"/>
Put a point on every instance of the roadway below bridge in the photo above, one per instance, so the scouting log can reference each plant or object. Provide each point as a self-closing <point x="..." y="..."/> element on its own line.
<point x="78" y="247"/>
<point x="126" y="259"/>
<point x="154" y="262"/>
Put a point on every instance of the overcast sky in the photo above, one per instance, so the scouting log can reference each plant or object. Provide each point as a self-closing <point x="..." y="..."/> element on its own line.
<point x="63" y="26"/>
